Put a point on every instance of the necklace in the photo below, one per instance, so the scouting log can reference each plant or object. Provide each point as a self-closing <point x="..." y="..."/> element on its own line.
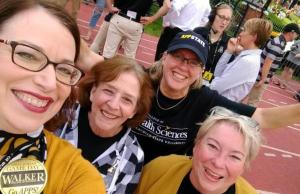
<point x="170" y="106"/>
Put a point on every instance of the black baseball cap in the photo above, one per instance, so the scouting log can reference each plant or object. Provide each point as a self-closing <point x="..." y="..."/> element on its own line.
<point x="192" y="41"/>
<point x="291" y="27"/>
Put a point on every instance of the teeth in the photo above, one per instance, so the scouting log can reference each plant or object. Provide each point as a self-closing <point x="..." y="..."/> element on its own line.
<point x="213" y="175"/>
<point x="179" y="76"/>
<point x="108" y="115"/>
<point x="31" y="99"/>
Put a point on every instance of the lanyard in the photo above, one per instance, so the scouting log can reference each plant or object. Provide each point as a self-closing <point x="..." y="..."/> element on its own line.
<point x="216" y="50"/>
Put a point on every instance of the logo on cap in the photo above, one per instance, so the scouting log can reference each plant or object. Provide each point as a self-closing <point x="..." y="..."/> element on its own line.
<point x="192" y="37"/>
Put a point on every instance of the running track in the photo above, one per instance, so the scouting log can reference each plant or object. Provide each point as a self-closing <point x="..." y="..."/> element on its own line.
<point x="277" y="168"/>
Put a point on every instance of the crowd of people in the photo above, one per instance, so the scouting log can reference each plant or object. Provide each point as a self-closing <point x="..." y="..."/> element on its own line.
<point x="156" y="130"/>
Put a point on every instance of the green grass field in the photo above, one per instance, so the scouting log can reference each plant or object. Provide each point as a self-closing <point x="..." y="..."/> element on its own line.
<point x="155" y="28"/>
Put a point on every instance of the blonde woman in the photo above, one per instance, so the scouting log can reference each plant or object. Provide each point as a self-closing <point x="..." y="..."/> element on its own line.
<point x="217" y="162"/>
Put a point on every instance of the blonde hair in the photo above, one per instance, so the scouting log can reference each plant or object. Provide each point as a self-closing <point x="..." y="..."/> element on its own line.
<point x="244" y="125"/>
<point x="262" y="28"/>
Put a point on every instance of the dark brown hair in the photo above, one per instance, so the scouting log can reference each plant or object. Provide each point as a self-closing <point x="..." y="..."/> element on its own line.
<point x="10" y="8"/>
<point x="111" y="69"/>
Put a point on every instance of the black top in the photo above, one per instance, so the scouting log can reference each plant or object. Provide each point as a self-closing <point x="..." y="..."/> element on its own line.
<point x="139" y="6"/>
<point x="172" y="131"/>
<point x="216" y="49"/>
<point x="186" y="187"/>
<point x="92" y="145"/>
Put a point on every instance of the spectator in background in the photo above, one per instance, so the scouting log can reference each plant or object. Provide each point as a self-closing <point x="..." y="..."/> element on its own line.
<point x="214" y="33"/>
<point x="184" y="15"/>
<point x="293" y="3"/>
<point x="291" y="63"/>
<point x="217" y="162"/>
<point x="98" y="43"/>
<point x="270" y="61"/>
<point x="297" y="9"/>
<point x="125" y="25"/>
<point x="96" y="14"/>
<point x="235" y="79"/>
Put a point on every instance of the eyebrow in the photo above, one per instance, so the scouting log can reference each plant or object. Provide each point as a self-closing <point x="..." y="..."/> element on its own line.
<point x="71" y="62"/>
<point x="231" y="151"/>
<point x="223" y="16"/>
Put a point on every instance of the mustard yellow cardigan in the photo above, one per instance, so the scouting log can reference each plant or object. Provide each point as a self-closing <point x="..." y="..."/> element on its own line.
<point x="165" y="174"/>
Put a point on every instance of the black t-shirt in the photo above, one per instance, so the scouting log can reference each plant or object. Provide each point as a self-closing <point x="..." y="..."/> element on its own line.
<point x="186" y="187"/>
<point x="139" y="6"/>
<point x="172" y="131"/>
<point x="216" y="49"/>
<point x="92" y="145"/>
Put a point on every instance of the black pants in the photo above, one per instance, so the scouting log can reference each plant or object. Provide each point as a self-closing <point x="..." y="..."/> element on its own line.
<point x="164" y="40"/>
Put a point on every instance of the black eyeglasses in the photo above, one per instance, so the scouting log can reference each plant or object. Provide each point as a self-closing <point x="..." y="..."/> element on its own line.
<point x="32" y="59"/>
<point x="224" y="18"/>
<point x="221" y="111"/>
<point x="180" y="59"/>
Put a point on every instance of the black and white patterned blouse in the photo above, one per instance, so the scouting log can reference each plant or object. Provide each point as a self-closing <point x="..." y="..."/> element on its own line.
<point x="120" y="164"/>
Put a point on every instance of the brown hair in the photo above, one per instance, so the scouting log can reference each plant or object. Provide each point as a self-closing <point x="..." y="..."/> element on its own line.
<point x="262" y="28"/>
<point x="109" y="70"/>
<point x="9" y="8"/>
<point x="214" y="12"/>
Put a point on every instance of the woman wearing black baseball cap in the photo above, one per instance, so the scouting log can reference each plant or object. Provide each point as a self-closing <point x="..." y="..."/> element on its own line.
<point x="181" y="102"/>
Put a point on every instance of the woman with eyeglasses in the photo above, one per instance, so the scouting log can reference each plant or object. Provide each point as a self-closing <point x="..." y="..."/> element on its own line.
<point x="114" y="97"/>
<point x="217" y="162"/>
<point x="215" y="34"/>
<point x="181" y="102"/>
<point x="37" y="77"/>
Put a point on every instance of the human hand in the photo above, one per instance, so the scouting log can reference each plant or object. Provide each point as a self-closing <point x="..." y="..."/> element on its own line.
<point x="113" y="9"/>
<point x="146" y="20"/>
<point x="233" y="46"/>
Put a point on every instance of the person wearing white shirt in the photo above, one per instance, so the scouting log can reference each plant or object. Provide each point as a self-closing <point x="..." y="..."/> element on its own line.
<point x="234" y="80"/>
<point x="184" y="15"/>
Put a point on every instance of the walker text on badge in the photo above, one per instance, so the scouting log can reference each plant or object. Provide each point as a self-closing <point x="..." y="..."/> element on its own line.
<point x="24" y="176"/>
